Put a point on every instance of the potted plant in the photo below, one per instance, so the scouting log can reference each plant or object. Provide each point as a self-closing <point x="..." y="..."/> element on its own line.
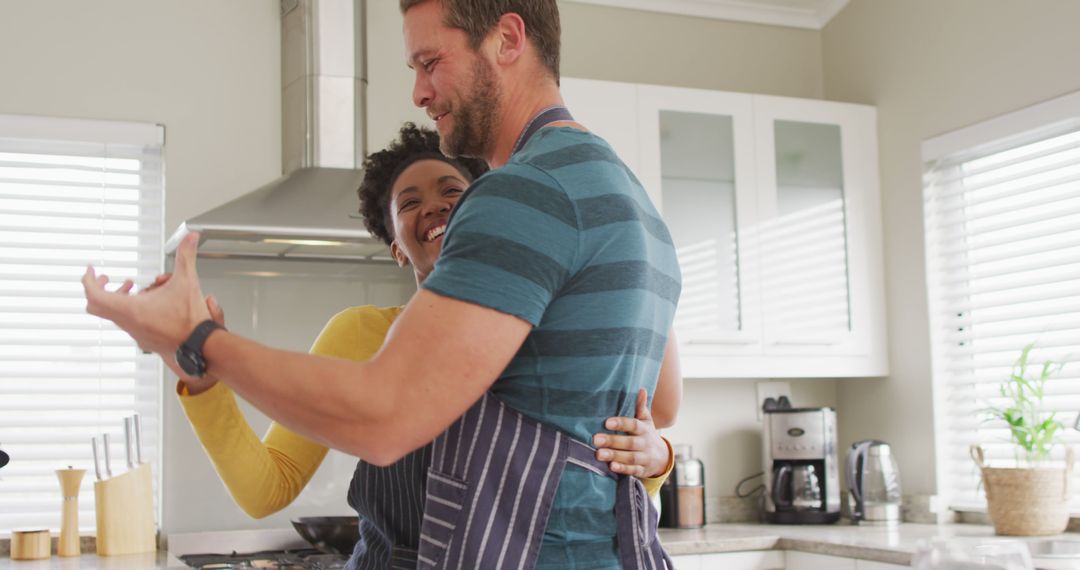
<point x="1032" y="498"/>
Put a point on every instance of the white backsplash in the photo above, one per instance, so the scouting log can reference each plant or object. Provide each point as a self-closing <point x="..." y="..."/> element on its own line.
<point x="285" y="305"/>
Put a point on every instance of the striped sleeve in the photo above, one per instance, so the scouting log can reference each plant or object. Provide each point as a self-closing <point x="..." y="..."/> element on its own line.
<point x="511" y="245"/>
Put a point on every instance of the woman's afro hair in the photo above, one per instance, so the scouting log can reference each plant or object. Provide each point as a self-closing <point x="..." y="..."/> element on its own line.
<point x="382" y="168"/>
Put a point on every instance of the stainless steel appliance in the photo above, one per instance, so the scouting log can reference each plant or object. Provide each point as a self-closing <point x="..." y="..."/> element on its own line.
<point x="682" y="497"/>
<point x="873" y="483"/>
<point x="303" y="559"/>
<point x="309" y="213"/>
<point x="802" y="482"/>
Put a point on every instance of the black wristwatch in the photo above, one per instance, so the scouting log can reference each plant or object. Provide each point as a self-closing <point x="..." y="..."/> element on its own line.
<point x="189" y="355"/>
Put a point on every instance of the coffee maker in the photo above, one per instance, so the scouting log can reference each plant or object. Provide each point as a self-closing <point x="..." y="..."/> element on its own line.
<point x="802" y="482"/>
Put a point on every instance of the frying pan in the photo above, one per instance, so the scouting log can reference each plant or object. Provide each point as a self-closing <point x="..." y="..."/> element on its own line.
<point x="4" y="459"/>
<point x="334" y="535"/>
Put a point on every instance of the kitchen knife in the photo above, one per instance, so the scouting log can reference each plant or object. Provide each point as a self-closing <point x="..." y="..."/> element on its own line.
<point x="97" y="464"/>
<point x="108" y="466"/>
<point x="137" y="423"/>
<point x="128" y="423"/>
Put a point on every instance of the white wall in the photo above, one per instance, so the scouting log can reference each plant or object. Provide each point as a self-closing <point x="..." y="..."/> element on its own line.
<point x="619" y="45"/>
<point x="662" y="49"/>
<point x="209" y="71"/>
<point x="931" y="67"/>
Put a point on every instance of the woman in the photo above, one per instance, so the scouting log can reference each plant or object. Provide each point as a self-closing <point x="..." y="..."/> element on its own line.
<point x="408" y="192"/>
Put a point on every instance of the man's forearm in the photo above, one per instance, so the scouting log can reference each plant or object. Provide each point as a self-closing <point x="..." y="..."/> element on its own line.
<point x="438" y="359"/>
<point x="332" y="401"/>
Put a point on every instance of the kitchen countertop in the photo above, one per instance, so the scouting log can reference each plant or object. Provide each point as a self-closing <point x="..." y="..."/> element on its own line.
<point x="890" y="545"/>
<point x="880" y="544"/>
<point x="159" y="560"/>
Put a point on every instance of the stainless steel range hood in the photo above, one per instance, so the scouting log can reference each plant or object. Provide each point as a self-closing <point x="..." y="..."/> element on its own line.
<point x="310" y="213"/>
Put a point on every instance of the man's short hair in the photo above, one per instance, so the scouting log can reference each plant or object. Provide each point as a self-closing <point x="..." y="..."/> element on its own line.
<point x="477" y="17"/>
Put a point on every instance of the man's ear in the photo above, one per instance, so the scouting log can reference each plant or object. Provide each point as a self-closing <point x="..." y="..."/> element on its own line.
<point x="510" y="38"/>
<point x="399" y="254"/>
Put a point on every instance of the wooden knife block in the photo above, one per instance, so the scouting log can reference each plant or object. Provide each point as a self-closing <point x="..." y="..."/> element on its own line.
<point x="125" y="513"/>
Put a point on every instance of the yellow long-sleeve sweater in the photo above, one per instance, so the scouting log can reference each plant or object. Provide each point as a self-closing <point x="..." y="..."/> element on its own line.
<point x="263" y="476"/>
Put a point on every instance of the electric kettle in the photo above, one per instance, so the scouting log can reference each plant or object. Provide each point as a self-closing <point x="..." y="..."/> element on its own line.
<point x="873" y="483"/>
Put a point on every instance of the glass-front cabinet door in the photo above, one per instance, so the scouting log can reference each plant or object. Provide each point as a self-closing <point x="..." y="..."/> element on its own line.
<point x="774" y="208"/>
<point x="696" y="161"/>
<point x="813" y="178"/>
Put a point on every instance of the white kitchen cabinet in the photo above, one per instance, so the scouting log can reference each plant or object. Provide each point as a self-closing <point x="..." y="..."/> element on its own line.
<point x="744" y="560"/>
<point x="774" y="207"/>
<point x="687" y="562"/>
<point x="609" y="109"/>
<point x="808" y="561"/>
<point x="697" y="159"/>
<point x="819" y="236"/>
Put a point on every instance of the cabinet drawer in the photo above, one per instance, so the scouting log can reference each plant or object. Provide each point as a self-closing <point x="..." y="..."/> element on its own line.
<point x="748" y="560"/>
<point x="807" y="561"/>
<point x="744" y="560"/>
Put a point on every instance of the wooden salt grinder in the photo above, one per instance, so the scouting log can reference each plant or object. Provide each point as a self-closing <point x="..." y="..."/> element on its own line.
<point x="70" y="480"/>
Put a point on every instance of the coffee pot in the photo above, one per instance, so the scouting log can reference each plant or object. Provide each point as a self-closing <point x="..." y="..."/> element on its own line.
<point x="873" y="483"/>
<point x="797" y="487"/>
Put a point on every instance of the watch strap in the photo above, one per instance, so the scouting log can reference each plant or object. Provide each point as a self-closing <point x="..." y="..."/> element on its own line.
<point x="198" y="336"/>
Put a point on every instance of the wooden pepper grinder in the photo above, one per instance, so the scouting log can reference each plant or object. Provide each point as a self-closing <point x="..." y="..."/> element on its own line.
<point x="70" y="480"/>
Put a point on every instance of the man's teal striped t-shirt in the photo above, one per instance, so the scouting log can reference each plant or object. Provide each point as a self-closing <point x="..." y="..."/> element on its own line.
<point x="565" y="237"/>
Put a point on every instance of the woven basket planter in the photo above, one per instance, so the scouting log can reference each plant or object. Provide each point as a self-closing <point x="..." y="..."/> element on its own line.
<point x="1026" y="501"/>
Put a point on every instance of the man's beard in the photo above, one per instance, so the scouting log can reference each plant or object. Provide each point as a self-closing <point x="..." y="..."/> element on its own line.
<point x="473" y="133"/>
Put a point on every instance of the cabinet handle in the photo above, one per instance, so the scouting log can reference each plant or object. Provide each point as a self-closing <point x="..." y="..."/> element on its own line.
<point x="807" y="341"/>
<point x="722" y="341"/>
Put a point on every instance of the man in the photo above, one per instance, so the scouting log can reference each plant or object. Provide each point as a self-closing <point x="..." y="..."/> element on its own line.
<point x="555" y="289"/>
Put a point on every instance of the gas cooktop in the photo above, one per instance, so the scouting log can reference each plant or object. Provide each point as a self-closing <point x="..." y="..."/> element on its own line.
<point x="306" y="559"/>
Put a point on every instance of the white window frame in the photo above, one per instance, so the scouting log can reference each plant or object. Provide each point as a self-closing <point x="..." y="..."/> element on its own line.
<point x="1044" y="117"/>
<point x="131" y="381"/>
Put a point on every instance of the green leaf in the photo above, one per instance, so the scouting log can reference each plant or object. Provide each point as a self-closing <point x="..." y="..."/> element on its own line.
<point x="1030" y="428"/>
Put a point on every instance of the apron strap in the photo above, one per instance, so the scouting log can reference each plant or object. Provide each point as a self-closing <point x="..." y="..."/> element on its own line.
<point x="636" y="519"/>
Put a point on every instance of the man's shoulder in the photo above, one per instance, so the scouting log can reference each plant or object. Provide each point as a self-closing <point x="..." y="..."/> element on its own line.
<point x="557" y="148"/>
<point x="517" y="189"/>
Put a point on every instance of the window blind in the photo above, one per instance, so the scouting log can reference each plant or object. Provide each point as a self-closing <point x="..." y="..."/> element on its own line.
<point x="1003" y="271"/>
<point x="72" y="193"/>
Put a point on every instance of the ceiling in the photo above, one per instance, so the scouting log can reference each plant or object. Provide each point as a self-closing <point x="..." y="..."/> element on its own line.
<point x="809" y="14"/>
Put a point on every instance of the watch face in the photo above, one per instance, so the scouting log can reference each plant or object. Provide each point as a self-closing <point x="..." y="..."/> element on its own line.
<point x="190" y="361"/>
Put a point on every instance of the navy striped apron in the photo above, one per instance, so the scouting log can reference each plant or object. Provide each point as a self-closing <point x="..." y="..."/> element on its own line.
<point x="390" y="502"/>
<point x="491" y="487"/>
